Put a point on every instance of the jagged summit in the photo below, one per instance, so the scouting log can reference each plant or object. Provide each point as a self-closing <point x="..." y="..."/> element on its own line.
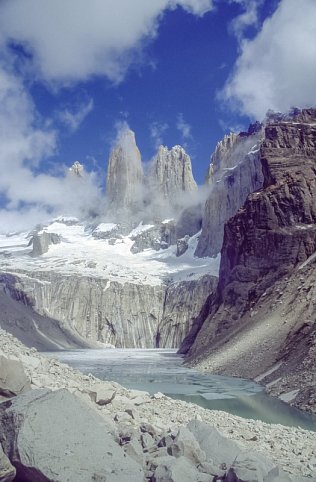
<point x="131" y="192"/>
<point x="125" y="173"/>
<point x="77" y="169"/>
<point x="171" y="172"/>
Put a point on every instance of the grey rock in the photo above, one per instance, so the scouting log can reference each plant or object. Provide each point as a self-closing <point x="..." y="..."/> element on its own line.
<point x="235" y="171"/>
<point x="34" y="330"/>
<point x="158" y="236"/>
<point x="135" y="450"/>
<point x="122" y="417"/>
<point x="54" y="436"/>
<point x="278" y="475"/>
<point x="252" y="466"/>
<point x="183" y="303"/>
<point x="182" y="245"/>
<point x="147" y="440"/>
<point x="222" y="452"/>
<point x="171" y="174"/>
<point x="13" y="380"/>
<point x="217" y="448"/>
<point x="7" y="471"/>
<point x="42" y="241"/>
<point x="173" y="469"/>
<point x="186" y="445"/>
<point x="148" y="428"/>
<point x="125" y="175"/>
<point x="123" y="315"/>
<point x="101" y="394"/>
<point x="77" y="169"/>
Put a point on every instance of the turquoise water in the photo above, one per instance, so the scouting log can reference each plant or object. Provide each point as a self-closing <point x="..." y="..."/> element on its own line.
<point x="157" y="370"/>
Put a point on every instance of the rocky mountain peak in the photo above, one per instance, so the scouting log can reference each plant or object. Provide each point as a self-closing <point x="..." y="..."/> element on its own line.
<point x="171" y="172"/>
<point x="125" y="172"/>
<point x="77" y="169"/>
<point x="222" y="157"/>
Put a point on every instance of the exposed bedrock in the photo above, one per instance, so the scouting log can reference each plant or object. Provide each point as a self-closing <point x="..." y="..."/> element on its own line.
<point x="235" y="171"/>
<point x="42" y="241"/>
<point x="125" y="174"/>
<point x="33" y="329"/>
<point x="268" y="242"/>
<point x="170" y="174"/>
<point x="123" y="315"/>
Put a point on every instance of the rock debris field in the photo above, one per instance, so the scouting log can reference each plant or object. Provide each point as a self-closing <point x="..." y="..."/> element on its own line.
<point x="57" y="424"/>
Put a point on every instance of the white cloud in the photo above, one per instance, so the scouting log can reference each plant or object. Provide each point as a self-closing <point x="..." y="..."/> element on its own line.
<point x="157" y="130"/>
<point x="277" y="69"/>
<point x="24" y="143"/>
<point x="183" y="127"/>
<point x="246" y="19"/>
<point x="71" y="40"/>
<point x="73" y="119"/>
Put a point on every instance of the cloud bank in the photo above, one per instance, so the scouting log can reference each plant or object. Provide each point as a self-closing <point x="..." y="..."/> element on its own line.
<point x="277" y="69"/>
<point x="29" y="196"/>
<point x="74" y="118"/>
<point x="61" y="42"/>
<point x="71" y="40"/>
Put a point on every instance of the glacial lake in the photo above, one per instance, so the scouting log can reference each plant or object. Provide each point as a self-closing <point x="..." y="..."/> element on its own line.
<point x="162" y="370"/>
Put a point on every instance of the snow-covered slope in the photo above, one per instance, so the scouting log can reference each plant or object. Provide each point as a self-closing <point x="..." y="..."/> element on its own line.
<point x="80" y="253"/>
<point x="92" y="283"/>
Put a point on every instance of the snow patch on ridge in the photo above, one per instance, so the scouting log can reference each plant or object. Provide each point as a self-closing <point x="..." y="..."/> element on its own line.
<point x="79" y="253"/>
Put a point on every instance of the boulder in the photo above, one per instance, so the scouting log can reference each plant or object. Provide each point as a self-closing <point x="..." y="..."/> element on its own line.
<point x="185" y="444"/>
<point x="223" y="454"/>
<point x="218" y="449"/>
<point x="171" y="469"/>
<point x="54" y="436"/>
<point x="102" y="394"/>
<point x="12" y="378"/>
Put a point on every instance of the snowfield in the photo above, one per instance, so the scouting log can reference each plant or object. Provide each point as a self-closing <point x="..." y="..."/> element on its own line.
<point x="81" y="254"/>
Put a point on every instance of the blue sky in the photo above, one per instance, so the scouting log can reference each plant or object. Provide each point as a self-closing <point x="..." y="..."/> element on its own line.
<point x="174" y="87"/>
<point x="176" y="71"/>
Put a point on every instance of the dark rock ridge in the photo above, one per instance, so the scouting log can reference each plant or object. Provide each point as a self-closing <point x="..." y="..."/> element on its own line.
<point x="270" y="238"/>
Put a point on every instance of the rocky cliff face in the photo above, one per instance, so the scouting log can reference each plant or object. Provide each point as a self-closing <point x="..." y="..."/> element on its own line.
<point x="125" y="315"/>
<point x="235" y="171"/>
<point x="125" y="174"/>
<point x="171" y="175"/>
<point x="269" y="241"/>
<point x="42" y="241"/>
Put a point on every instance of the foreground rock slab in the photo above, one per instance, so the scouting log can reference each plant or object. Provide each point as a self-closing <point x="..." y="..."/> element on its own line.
<point x="155" y="433"/>
<point x="13" y="379"/>
<point x="54" y="436"/>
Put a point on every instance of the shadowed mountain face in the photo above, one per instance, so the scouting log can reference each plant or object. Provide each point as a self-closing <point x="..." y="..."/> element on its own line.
<point x="272" y="238"/>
